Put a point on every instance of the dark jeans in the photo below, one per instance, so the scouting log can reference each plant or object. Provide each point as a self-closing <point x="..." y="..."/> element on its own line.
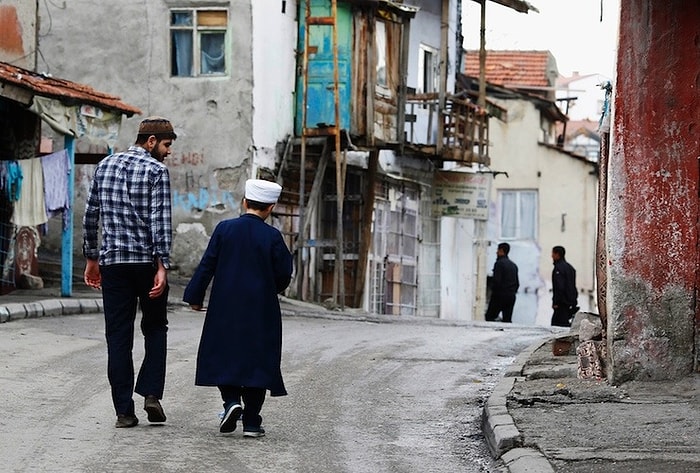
<point x="253" y="399"/>
<point x="500" y="303"/>
<point x="123" y="286"/>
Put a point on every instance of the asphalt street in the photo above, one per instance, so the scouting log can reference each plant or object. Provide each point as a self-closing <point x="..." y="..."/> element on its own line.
<point x="366" y="395"/>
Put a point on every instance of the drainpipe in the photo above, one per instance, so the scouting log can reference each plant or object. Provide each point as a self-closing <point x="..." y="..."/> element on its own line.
<point x="482" y="57"/>
<point x="445" y="29"/>
<point x="67" y="235"/>
<point x="480" y="244"/>
<point x="36" y="35"/>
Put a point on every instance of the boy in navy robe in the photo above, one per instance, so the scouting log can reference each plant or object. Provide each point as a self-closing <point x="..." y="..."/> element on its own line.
<point x="240" y="350"/>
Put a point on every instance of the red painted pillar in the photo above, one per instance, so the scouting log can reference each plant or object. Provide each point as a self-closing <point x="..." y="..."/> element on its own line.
<point x="653" y="211"/>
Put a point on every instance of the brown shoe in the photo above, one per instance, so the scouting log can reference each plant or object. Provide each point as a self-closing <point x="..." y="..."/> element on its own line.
<point x="154" y="410"/>
<point x="126" y="420"/>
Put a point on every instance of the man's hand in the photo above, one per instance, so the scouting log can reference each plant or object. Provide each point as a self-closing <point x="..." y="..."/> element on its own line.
<point x="92" y="276"/>
<point x="160" y="281"/>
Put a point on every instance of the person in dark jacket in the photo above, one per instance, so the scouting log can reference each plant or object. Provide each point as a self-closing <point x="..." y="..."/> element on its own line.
<point x="504" y="286"/>
<point x="564" y="293"/>
<point x="240" y="350"/>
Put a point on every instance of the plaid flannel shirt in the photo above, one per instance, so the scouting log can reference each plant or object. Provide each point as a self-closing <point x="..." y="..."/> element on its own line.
<point x="130" y="192"/>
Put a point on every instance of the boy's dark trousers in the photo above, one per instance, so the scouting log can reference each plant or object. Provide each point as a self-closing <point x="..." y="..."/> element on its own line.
<point x="253" y="399"/>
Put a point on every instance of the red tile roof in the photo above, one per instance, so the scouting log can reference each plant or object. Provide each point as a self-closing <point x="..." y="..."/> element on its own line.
<point x="64" y="90"/>
<point x="514" y="69"/>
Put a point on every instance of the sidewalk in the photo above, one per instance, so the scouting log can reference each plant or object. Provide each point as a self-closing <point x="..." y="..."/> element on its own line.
<point x="540" y="418"/>
<point x="48" y="302"/>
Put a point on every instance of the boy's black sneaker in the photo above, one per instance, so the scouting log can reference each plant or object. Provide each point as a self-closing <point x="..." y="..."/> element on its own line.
<point x="253" y="432"/>
<point x="228" y="423"/>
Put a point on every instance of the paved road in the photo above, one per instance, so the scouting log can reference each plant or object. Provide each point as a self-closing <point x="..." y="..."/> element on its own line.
<point x="364" y="397"/>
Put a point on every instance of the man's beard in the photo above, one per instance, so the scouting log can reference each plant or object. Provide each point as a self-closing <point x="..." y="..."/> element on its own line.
<point x="157" y="155"/>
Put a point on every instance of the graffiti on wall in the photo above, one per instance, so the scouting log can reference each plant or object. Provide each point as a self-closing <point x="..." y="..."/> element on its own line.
<point x="194" y="190"/>
<point x="189" y="158"/>
<point x="202" y="199"/>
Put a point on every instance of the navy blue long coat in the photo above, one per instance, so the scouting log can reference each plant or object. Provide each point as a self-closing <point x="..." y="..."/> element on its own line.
<point x="241" y="342"/>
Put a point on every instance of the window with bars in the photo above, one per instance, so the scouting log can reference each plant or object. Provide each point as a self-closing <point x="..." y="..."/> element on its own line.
<point x="198" y="42"/>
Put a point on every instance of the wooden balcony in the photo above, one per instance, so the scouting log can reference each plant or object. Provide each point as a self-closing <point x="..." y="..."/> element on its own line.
<point x="463" y="136"/>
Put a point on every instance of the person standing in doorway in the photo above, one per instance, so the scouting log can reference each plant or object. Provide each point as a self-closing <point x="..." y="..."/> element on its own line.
<point x="504" y="286"/>
<point x="130" y="194"/>
<point x="240" y="350"/>
<point x="564" y="293"/>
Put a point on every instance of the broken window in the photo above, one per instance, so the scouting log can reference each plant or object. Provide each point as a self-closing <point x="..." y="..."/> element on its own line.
<point x="198" y="42"/>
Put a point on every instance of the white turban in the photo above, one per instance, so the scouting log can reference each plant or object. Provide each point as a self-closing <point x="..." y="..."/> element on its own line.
<point x="265" y="192"/>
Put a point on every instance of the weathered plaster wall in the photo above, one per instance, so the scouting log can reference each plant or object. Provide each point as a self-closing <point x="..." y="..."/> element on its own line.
<point x="18" y="24"/>
<point x="122" y="47"/>
<point x="652" y="221"/>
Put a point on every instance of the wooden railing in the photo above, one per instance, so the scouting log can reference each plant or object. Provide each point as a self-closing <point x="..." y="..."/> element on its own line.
<point x="464" y="136"/>
<point x="465" y="132"/>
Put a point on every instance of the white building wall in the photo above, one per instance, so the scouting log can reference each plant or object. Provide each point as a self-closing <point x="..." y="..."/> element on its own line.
<point x="567" y="208"/>
<point x="274" y="45"/>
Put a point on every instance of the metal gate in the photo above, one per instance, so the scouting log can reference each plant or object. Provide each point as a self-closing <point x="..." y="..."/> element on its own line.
<point x="393" y="262"/>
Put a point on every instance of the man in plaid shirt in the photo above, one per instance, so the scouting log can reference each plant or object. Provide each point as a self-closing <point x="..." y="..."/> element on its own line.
<point x="130" y="193"/>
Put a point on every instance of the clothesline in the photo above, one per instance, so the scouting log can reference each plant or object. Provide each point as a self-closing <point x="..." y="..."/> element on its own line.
<point x="37" y="187"/>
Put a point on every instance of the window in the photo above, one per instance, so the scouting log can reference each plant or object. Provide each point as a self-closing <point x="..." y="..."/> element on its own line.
<point x="518" y="215"/>
<point x="427" y="69"/>
<point x="381" y="45"/>
<point x="198" y="42"/>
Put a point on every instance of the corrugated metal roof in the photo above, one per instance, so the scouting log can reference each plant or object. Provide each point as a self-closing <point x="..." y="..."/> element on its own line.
<point x="517" y="5"/>
<point x="64" y="90"/>
<point x="548" y="106"/>
<point x="513" y="68"/>
<point x="394" y="6"/>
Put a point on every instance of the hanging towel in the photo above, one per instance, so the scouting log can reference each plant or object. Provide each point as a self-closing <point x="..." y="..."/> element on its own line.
<point x="30" y="209"/>
<point x="4" y="178"/>
<point x="13" y="180"/>
<point x="56" y="168"/>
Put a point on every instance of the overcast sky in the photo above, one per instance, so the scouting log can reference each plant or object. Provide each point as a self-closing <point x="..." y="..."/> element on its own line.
<point x="571" y="29"/>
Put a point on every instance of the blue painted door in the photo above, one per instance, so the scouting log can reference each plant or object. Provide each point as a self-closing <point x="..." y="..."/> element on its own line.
<point x="320" y="100"/>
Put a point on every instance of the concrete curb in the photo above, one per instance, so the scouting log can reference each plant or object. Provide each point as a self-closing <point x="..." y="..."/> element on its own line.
<point x="526" y="460"/>
<point x="497" y="425"/>
<point x="50" y="308"/>
<point x="13" y="311"/>
<point x="502" y="435"/>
